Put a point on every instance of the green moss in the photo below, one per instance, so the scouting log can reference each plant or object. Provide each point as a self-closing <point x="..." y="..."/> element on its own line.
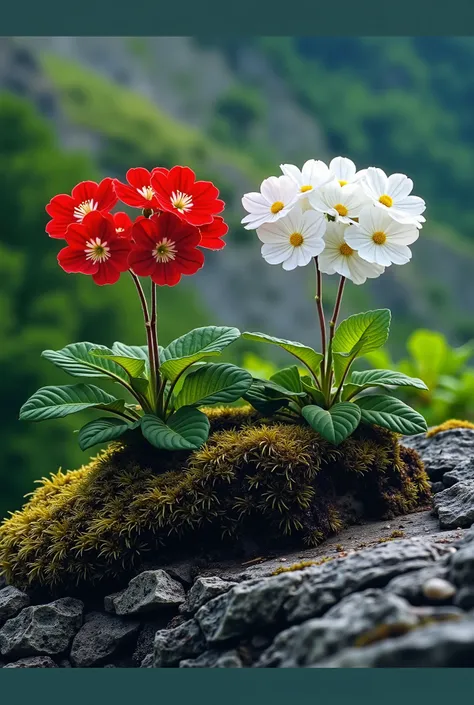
<point x="268" y="483"/>
<point x="448" y="425"/>
<point x="302" y="565"/>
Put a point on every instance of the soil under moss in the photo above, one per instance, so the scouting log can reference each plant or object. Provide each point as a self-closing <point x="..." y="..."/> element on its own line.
<point x="253" y="486"/>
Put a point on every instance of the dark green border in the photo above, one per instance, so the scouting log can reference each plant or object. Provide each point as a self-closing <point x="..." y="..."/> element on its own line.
<point x="237" y="18"/>
<point x="237" y="687"/>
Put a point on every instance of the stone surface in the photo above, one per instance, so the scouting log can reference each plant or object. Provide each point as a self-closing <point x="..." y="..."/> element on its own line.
<point x="214" y="659"/>
<point x="462" y="471"/>
<point x="455" y="506"/>
<point x="33" y="662"/>
<point x="438" y="589"/>
<point x="175" y="645"/>
<point x="441" y="645"/>
<point x="42" y="630"/>
<point x="147" y="661"/>
<point x="102" y="637"/>
<point x="12" y="601"/>
<point x="410" y="586"/>
<point x="146" y="639"/>
<point x="203" y="590"/>
<point x="442" y="452"/>
<point x="149" y="591"/>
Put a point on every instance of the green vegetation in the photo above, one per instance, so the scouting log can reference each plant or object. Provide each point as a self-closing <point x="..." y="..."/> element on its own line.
<point x="273" y="482"/>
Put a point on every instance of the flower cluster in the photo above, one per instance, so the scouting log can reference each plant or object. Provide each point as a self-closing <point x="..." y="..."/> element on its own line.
<point x="178" y="216"/>
<point x="355" y="222"/>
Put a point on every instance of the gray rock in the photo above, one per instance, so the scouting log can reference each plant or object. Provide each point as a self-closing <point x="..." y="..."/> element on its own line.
<point x="101" y="638"/>
<point x="441" y="645"/>
<point x="3" y="580"/>
<point x="455" y="506"/>
<point x="214" y="659"/>
<point x="410" y="586"/>
<point x="438" y="590"/>
<point x="463" y="471"/>
<point x="174" y="645"/>
<point x="149" y="591"/>
<point x="12" y="601"/>
<point x="442" y="452"/>
<point x="64" y="663"/>
<point x="462" y="575"/>
<point x="203" y="590"/>
<point x="297" y="596"/>
<point x="42" y="630"/>
<point x="438" y="486"/>
<point x="33" y="662"/>
<point x="109" y="602"/>
<point x="355" y="617"/>
<point x="146" y="639"/>
<point x="147" y="661"/>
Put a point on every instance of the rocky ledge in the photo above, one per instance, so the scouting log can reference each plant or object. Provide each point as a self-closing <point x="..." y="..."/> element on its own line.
<point x="377" y="595"/>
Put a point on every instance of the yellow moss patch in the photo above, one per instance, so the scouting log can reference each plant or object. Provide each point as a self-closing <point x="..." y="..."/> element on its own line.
<point x="301" y="565"/>
<point x="253" y="479"/>
<point x="448" y="425"/>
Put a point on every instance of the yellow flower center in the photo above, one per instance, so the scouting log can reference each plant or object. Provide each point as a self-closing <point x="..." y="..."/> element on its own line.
<point x="165" y="251"/>
<point x="346" y="250"/>
<point x="147" y="192"/>
<point x="84" y="208"/>
<point x="296" y="239"/>
<point x="342" y="210"/>
<point x="386" y="200"/>
<point x="277" y="207"/>
<point x="181" y="201"/>
<point x="308" y="187"/>
<point x="342" y="182"/>
<point x="379" y="237"/>
<point x="96" y="250"/>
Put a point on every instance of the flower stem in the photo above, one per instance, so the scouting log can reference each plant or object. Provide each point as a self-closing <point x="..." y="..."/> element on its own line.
<point x="319" y="306"/>
<point x="329" y="372"/>
<point x="337" y="308"/>
<point x="159" y="384"/>
<point x="149" y="336"/>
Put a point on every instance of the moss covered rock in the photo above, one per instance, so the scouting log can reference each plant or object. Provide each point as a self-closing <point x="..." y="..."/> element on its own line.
<point x="254" y="483"/>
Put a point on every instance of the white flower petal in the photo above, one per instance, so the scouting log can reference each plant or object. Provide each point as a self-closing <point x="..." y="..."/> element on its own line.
<point x="399" y="186"/>
<point x="292" y="172"/>
<point x="375" y="182"/>
<point x="292" y="261"/>
<point x="343" y="168"/>
<point x="270" y="189"/>
<point x="276" y="254"/>
<point x="254" y="203"/>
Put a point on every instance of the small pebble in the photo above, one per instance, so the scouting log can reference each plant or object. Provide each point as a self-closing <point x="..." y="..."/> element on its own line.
<point x="438" y="589"/>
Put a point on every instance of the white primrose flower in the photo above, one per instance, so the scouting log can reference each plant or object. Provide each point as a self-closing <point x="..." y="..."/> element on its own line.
<point x="380" y="239"/>
<point x="314" y="174"/>
<point x="342" y="202"/>
<point x="391" y="193"/>
<point x="293" y="240"/>
<point x="344" y="170"/>
<point x="277" y="196"/>
<point x="339" y="258"/>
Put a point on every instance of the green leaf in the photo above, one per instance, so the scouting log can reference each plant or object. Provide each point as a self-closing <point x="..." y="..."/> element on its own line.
<point x="309" y="388"/>
<point x="260" y="397"/>
<point x="384" y="378"/>
<point x="391" y="413"/>
<point x="334" y="424"/>
<point x="213" y="384"/>
<point x="57" y="402"/>
<point x="288" y="378"/>
<point x="137" y="351"/>
<point x="77" y="359"/>
<point x="186" y="429"/>
<point x="429" y="350"/>
<point x="357" y="335"/>
<point x="194" y="346"/>
<point x="104" y="430"/>
<point x="309" y="357"/>
<point x="133" y="366"/>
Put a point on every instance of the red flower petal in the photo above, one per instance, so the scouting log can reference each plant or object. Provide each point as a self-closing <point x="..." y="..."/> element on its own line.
<point x="145" y="232"/>
<point x="123" y="224"/>
<point x="166" y="274"/>
<point x="141" y="261"/>
<point x="77" y="235"/>
<point x="211" y="234"/>
<point x="138" y="177"/>
<point x="107" y="273"/>
<point x="106" y="196"/>
<point x="203" y="195"/>
<point x="74" y="261"/>
<point x="85" y="191"/>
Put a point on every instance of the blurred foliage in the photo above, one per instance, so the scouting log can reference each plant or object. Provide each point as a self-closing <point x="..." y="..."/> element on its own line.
<point x="41" y="307"/>
<point x="444" y="369"/>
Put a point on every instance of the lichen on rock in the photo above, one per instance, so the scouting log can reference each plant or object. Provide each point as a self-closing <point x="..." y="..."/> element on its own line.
<point x="254" y="481"/>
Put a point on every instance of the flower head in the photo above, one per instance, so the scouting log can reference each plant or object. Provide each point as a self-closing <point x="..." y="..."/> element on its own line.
<point x="86" y="197"/>
<point x="342" y="202"/>
<point x="391" y="193"/>
<point x="314" y="174"/>
<point x="139" y="192"/>
<point x="339" y="257"/>
<point x="212" y="234"/>
<point x="95" y="248"/>
<point x="165" y="248"/>
<point x="178" y="192"/>
<point x="293" y="240"/>
<point x="278" y="195"/>
<point x="380" y="239"/>
<point x="344" y="171"/>
<point x="123" y="224"/>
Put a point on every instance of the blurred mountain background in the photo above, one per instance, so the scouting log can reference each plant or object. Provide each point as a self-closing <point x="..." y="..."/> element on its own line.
<point x="75" y="108"/>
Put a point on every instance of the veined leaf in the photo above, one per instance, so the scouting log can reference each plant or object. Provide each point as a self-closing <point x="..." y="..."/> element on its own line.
<point x="334" y="424"/>
<point x="391" y="413"/>
<point x="213" y="384"/>
<point x="133" y="366"/>
<point x="260" y="397"/>
<point x="288" y="378"/>
<point x="194" y="346"/>
<point x="309" y="388"/>
<point x="77" y="359"/>
<point x="381" y="378"/>
<point x="357" y="335"/>
<point x="186" y="429"/>
<point x="137" y="351"/>
<point x="309" y="357"/>
<point x="104" y="430"/>
<point x="57" y="402"/>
